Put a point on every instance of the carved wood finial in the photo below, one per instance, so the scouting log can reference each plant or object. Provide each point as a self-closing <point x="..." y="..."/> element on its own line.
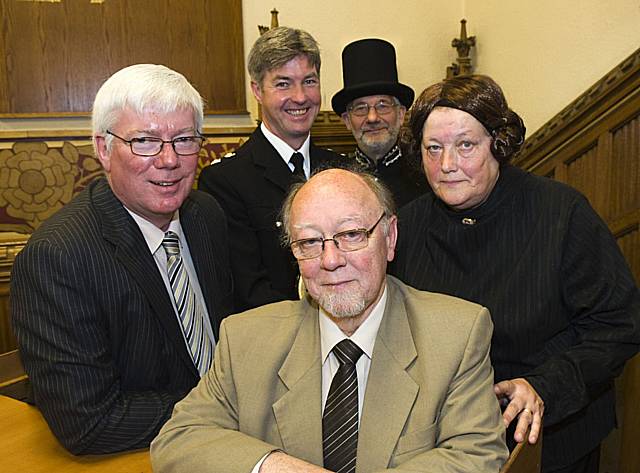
<point x="274" y="23"/>
<point x="463" y="46"/>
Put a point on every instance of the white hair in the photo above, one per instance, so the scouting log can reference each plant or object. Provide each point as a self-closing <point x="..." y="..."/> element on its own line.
<point x="141" y="87"/>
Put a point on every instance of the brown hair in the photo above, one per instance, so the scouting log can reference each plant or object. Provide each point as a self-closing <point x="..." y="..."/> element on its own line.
<point x="477" y="95"/>
<point x="277" y="47"/>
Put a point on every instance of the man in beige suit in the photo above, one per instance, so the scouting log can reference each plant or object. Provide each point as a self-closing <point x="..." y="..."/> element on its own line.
<point x="417" y="395"/>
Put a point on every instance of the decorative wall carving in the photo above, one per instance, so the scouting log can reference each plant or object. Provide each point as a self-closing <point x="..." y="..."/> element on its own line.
<point x="462" y="45"/>
<point x="37" y="178"/>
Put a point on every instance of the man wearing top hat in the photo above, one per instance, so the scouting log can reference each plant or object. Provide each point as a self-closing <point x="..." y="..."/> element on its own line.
<point x="372" y="105"/>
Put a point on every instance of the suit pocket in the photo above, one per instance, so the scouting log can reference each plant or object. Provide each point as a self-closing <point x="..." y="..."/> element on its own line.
<point x="414" y="443"/>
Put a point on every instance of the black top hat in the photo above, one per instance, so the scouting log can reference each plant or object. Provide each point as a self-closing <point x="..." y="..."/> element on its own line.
<point x="369" y="68"/>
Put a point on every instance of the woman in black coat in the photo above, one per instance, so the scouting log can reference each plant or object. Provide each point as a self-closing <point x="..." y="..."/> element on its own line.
<point x="565" y="306"/>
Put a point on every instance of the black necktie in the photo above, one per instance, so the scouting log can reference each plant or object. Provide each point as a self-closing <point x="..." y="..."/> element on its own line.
<point x="340" y="418"/>
<point x="298" y="165"/>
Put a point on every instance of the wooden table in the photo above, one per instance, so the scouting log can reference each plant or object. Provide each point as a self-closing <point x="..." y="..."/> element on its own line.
<point x="27" y="445"/>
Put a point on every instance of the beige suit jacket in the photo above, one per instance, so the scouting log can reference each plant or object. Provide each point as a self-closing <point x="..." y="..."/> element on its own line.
<point x="429" y="403"/>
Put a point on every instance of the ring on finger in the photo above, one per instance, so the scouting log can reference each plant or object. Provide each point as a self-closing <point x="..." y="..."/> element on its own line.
<point x="526" y="409"/>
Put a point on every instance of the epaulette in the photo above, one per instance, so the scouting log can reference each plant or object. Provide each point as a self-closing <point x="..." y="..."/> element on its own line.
<point x="230" y="154"/>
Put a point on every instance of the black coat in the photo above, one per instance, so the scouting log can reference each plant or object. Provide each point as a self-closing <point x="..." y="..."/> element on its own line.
<point x="251" y="186"/>
<point x="565" y="306"/>
<point x="96" y="328"/>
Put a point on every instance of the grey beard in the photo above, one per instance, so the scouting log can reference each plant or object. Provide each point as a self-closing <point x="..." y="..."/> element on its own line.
<point x="342" y="306"/>
<point x="376" y="149"/>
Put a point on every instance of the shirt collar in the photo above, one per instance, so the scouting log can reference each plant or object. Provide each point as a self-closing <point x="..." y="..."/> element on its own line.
<point x="152" y="234"/>
<point x="364" y="336"/>
<point x="283" y="149"/>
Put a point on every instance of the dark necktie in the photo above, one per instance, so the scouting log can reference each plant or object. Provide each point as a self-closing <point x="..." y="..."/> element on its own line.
<point x="189" y="310"/>
<point x="298" y="165"/>
<point x="340" y="418"/>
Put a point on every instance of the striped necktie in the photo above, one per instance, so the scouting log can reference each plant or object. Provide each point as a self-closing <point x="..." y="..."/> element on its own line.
<point x="189" y="309"/>
<point x="340" y="418"/>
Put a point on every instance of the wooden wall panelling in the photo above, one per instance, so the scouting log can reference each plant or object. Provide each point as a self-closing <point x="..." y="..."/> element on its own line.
<point x="329" y="131"/>
<point x="224" y="46"/>
<point x="56" y="55"/>
<point x="5" y="92"/>
<point x="602" y="182"/>
<point x="594" y="145"/>
<point x="625" y="165"/>
<point x="581" y="172"/>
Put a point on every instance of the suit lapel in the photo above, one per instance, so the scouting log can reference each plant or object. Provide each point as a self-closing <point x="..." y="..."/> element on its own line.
<point x="202" y="255"/>
<point x="298" y="412"/>
<point x="266" y="157"/>
<point x="390" y="392"/>
<point x="120" y="230"/>
<point x="314" y="157"/>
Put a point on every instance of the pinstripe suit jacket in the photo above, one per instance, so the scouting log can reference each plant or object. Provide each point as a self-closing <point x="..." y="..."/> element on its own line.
<point x="97" y="332"/>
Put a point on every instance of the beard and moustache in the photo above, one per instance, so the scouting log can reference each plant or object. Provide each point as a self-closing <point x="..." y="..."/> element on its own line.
<point x="378" y="145"/>
<point x="343" y="305"/>
<point x="373" y="146"/>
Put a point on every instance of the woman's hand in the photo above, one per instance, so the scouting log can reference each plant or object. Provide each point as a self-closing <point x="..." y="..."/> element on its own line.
<point x="523" y="403"/>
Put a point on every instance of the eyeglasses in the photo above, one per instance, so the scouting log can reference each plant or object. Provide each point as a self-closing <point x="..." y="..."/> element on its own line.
<point x="383" y="107"/>
<point x="349" y="240"/>
<point x="150" y="146"/>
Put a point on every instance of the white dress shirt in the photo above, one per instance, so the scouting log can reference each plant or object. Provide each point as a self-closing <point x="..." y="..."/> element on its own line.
<point x="285" y="151"/>
<point x="364" y="337"/>
<point x="330" y="336"/>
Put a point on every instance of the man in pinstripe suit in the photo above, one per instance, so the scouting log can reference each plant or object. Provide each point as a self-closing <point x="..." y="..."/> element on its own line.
<point x="93" y="308"/>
